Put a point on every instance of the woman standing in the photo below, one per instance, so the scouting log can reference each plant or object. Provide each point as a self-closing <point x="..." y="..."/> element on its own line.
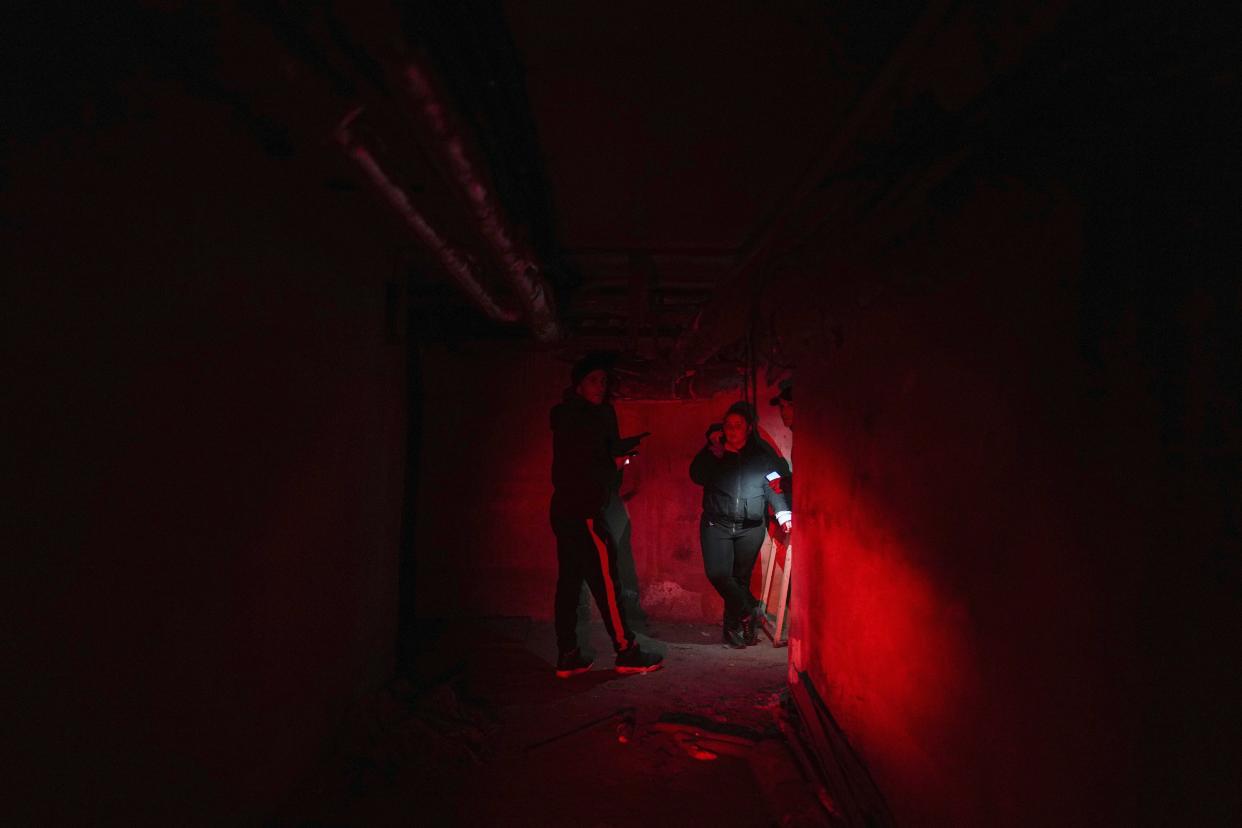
<point x="736" y="471"/>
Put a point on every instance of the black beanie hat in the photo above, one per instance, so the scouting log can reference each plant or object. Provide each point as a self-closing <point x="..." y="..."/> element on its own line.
<point x="594" y="361"/>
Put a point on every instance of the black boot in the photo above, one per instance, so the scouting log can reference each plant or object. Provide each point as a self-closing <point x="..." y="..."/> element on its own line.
<point x="751" y="625"/>
<point x="733" y="638"/>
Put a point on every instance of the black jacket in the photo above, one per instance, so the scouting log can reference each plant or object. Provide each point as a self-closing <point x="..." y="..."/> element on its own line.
<point x="584" y="443"/>
<point x="782" y="466"/>
<point x="735" y="485"/>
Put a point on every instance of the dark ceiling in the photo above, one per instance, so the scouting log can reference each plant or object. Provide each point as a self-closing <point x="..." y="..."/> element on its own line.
<point x="666" y="129"/>
<point x="671" y="134"/>
<point x="623" y="169"/>
<point x="647" y="147"/>
<point x="640" y="151"/>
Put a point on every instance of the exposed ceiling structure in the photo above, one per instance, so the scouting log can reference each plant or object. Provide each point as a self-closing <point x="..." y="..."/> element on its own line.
<point x="630" y="177"/>
<point x="669" y="137"/>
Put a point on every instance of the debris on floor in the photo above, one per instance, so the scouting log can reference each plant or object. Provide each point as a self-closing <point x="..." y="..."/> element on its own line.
<point x="497" y="739"/>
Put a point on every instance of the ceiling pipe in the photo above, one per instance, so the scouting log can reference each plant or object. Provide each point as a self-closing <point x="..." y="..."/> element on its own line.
<point x="453" y="260"/>
<point x="518" y="262"/>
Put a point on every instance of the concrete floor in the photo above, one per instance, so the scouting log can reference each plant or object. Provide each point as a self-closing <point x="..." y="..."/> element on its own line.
<point x="487" y="735"/>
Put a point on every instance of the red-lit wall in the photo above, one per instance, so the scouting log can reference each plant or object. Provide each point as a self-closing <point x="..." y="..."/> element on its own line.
<point x="943" y="583"/>
<point x="993" y="575"/>
<point x="209" y="422"/>
<point x="485" y="544"/>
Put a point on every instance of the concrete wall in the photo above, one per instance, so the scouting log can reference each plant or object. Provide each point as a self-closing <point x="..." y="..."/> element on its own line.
<point x="207" y="405"/>
<point x="1008" y="561"/>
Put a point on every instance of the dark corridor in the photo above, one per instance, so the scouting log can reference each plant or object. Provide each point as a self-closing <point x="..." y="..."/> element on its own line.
<point x="290" y="289"/>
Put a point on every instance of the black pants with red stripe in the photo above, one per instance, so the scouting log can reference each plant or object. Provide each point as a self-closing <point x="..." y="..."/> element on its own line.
<point x="586" y="551"/>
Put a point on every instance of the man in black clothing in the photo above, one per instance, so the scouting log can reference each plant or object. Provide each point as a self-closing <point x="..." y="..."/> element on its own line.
<point x="587" y="458"/>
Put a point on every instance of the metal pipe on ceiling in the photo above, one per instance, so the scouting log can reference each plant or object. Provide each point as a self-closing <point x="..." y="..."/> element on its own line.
<point x="453" y="260"/>
<point x="518" y="262"/>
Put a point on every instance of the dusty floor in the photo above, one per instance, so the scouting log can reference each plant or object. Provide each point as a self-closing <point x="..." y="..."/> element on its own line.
<point x="487" y="735"/>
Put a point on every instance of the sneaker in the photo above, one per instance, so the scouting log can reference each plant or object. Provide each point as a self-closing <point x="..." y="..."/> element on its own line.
<point x="572" y="663"/>
<point x="636" y="660"/>
<point x="733" y="638"/>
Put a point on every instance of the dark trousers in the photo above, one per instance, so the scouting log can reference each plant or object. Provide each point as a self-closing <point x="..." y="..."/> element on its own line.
<point x="587" y="552"/>
<point x="729" y="555"/>
<point x="617" y="524"/>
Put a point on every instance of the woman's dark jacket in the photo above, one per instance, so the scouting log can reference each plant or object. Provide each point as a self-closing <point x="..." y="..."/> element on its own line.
<point x="584" y="443"/>
<point x="735" y="485"/>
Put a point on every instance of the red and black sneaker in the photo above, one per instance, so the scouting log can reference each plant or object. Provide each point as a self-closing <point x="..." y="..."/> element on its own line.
<point x="572" y="663"/>
<point x="634" y="659"/>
